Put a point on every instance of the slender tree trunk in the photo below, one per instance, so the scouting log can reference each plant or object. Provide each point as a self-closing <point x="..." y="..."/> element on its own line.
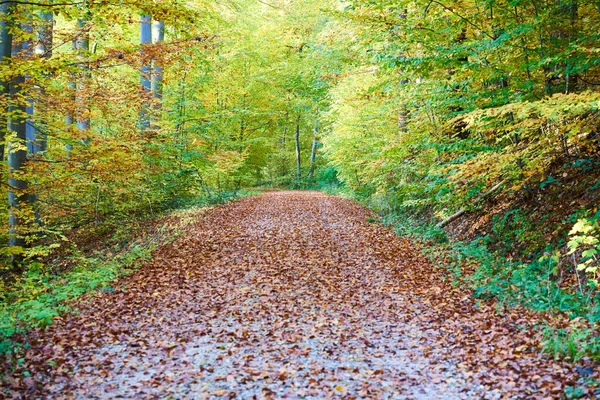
<point x="181" y="109"/>
<point x="43" y="50"/>
<point x="313" y="153"/>
<point x="146" y="70"/>
<point x="145" y="39"/>
<point x="298" y="161"/>
<point x="30" y="128"/>
<point x="46" y="35"/>
<point x="156" y="85"/>
<point x="6" y="11"/>
<point x="83" y="49"/>
<point x="36" y="126"/>
<point x="27" y="52"/>
<point x="70" y="118"/>
<point x="158" y="33"/>
<point x="571" y="80"/>
<point x="403" y="119"/>
<point x="283" y="166"/>
<point x="403" y="111"/>
<point x="17" y="158"/>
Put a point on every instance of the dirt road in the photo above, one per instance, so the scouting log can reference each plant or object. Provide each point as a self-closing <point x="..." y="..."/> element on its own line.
<point x="288" y="295"/>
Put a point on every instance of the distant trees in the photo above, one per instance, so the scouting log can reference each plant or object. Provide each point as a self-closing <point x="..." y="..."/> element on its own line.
<point x="77" y="80"/>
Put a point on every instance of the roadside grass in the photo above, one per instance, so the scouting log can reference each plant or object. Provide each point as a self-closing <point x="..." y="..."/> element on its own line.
<point x="511" y="282"/>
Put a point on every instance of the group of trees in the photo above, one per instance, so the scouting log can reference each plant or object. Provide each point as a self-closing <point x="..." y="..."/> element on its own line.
<point x="117" y="109"/>
<point x="31" y="113"/>
<point x="81" y="104"/>
<point x="450" y="99"/>
<point x="113" y="111"/>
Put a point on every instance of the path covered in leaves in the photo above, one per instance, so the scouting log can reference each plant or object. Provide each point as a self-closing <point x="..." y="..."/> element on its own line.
<point x="288" y="295"/>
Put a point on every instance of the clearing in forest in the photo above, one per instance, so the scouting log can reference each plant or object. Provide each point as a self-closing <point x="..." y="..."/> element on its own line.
<point x="289" y="294"/>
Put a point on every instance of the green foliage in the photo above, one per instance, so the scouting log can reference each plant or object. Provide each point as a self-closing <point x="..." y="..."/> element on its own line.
<point x="572" y="344"/>
<point x="583" y="248"/>
<point x="574" y="392"/>
<point x="417" y="109"/>
<point x="468" y="106"/>
<point x="41" y="295"/>
<point x="497" y="275"/>
<point x="514" y="230"/>
<point x="325" y="179"/>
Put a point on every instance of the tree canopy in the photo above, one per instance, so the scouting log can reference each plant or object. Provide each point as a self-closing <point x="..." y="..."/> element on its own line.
<point x="115" y="111"/>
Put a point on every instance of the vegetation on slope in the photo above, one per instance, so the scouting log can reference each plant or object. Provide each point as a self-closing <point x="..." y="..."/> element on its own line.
<point x="486" y="125"/>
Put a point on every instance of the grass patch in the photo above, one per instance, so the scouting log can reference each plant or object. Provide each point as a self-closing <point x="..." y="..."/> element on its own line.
<point x="39" y="295"/>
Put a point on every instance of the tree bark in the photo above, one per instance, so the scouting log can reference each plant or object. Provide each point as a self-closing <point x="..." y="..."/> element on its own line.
<point x="313" y="153"/>
<point x="43" y="49"/>
<point x="82" y="45"/>
<point x="36" y="126"/>
<point x="145" y="70"/>
<point x="6" y="11"/>
<point x="462" y="212"/>
<point x="70" y="118"/>
<point x="158" y="32"/>
<point x="403" y="119"/>
<point x="17" y="157"/>
<point x="27" y="48"/>
<point x="298" y="161"/>
<point x="283" y="165"/>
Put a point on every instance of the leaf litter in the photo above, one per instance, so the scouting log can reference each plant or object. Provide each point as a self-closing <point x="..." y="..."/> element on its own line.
<point x="287" y="295"/>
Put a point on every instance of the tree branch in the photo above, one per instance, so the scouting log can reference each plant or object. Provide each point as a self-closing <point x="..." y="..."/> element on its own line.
<point x="460" y="213"/>
<point x="270" y="5"/>
<point x="468" y="21"/>
<point x="30" y="3"/>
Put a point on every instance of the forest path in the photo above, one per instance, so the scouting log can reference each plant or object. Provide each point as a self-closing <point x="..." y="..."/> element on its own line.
<point x="289" y="295"/>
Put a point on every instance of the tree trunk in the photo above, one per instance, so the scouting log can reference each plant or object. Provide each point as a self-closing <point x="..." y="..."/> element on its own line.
<point x="17" y="157"/>
<point x="403" y="119"/>
<point x="283" y="165"/>
<point x="82" y="46"/>
<point x="313" y="153"/>
<point x="27" y="48"/>
<point x="158" y="32"/>
<point x="36" y="127"/>
<point x="6" y="10"/>
<point x="298" y="161"/>
<point x="146" y="69"/>
<point x="403" y="114"/>
<point x="43" y="50"/>
<point x="70" y="118"/>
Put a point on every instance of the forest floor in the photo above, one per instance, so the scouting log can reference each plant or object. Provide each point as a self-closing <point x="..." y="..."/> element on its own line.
<point x="288" y="295"/>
